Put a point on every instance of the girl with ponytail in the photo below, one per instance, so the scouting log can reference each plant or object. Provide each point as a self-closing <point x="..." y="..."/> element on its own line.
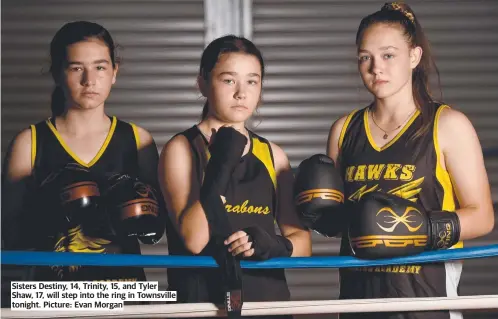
<point x="220" y="170"/>
<point x="81" y="134"/>
<point x="407" y="144"/>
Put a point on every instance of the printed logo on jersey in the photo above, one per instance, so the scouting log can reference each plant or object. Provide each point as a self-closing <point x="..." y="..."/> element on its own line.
<point x="388" y="172"/>
<point x="78" y="243"/>
<point x="397" y="269"/>
<point x="372" y="172"/>
<point x="246" y="208"/>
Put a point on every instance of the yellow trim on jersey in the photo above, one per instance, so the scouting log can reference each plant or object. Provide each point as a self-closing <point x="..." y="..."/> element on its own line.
<point x="73" y="155"/>
<point x="442" y="175"/>
<point x="33" y="145"/>
<point x="262" y="152"/>
<point x="135" y="133"/>
<point x="345" y="126"/>
<point x="207" y="153"/>
<point x="400" y="133"/>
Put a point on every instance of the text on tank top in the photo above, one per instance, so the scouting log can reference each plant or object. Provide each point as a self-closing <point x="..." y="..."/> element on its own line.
<point x="250" y="200"/>
<point x="406" y="167"/>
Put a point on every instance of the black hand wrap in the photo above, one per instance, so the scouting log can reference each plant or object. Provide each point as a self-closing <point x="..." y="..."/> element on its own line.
<point x="268" y="246"/>
<point x="226" y="151"/>
<point x="231" y="279"/>
<point x="444" y="230"/>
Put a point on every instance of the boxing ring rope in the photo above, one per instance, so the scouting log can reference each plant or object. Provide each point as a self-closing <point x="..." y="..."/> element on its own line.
<point x="168" y="261"/>
<point x="273" y="308"/>
<point x="254" y="308"/>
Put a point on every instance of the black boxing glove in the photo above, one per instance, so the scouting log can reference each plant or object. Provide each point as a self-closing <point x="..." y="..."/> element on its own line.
<point x="268" y="246"/>
<point x="134" y="208"/>
<point x="225" y="151"/>
<point x="319" y="195"/>
<point x="387" y="226"/>
<point x="72" y="196"/>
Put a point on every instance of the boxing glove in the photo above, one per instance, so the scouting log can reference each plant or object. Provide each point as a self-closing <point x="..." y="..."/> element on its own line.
<point x="72" y="196"/>
<point x="386" y="225"/>
<point x="319" y="195"/>
<point x="134" y="208"/>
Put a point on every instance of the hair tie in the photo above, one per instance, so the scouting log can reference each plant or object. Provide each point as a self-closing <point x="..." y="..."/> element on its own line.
<point x="394" y="6"/>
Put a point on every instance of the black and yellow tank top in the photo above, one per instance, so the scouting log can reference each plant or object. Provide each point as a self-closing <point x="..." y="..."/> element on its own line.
<point x="409" y="168"/>
<point x="118" y="154"/>
<point x="250" y="200"/>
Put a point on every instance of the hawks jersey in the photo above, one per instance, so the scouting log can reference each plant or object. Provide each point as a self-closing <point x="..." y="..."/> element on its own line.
<point x="411" y="168"/>
<point x="118" y="154"/>
<point x="250" y="201"/>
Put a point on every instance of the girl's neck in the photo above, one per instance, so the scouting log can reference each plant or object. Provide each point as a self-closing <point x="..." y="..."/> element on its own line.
<point x="80" y="122"/>
<point x="394" y="108"/>
<point x="210" y="124"/>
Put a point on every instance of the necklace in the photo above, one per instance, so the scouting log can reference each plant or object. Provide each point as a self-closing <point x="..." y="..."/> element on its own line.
<point x="386" y="133"/>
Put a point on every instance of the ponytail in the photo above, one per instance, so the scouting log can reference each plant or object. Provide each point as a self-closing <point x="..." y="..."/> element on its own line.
<point x="57" y="103"/>
<point x="205" y="110"/>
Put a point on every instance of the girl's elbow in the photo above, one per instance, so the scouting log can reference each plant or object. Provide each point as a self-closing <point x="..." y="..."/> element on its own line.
<point x="490" y="223"/>
<point x="307" y="251"/>
<point x="194" y="241"/>
<point x="194" y="248"/>
<point x="195" y="237"/>
<point x="303" y="240"/>
<point x="304" y="251"/>
<point x="194" y="245"/>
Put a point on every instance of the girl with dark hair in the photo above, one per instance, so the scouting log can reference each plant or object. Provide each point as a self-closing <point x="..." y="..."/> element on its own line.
<point x="406" y="144"/>
<point x="219" y="163"/>
<point x="80" y="156"/>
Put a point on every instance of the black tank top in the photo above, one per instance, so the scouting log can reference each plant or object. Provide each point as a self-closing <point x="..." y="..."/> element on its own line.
<point x="409" y="168"/>
<point x="250" y="200"/>
<point x="118" y="154"/>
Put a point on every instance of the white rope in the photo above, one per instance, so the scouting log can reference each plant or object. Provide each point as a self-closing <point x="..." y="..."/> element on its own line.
<point x="272" y="308"/>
